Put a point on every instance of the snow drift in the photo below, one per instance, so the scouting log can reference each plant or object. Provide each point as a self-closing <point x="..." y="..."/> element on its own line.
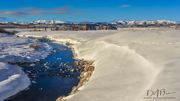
<point x="12" y="80"/>
<point x="127" y="62"/>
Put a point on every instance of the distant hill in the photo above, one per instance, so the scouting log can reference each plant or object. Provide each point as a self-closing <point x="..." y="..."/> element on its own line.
<point x="145" y="23"/>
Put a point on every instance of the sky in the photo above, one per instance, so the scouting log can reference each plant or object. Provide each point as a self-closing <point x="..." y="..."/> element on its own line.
<point x="89" y="10"/>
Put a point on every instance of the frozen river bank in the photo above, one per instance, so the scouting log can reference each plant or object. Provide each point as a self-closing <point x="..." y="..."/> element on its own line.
<point x="46" y="70"/>
<point x="51" y="77"/>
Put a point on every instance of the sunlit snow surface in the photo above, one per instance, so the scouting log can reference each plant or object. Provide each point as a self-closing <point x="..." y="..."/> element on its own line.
<point x="128" y="62"/>
<point x="14" y="49"/>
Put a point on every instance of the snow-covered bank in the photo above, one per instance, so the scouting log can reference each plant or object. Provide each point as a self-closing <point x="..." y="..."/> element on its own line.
<point x="127" y="62"/>
<point x="12" y="80"/>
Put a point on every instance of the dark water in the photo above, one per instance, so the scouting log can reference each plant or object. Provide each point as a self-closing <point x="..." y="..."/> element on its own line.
<point x="51" y="77"/>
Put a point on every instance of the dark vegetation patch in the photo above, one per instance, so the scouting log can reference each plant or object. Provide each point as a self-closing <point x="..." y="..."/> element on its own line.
<point x="7" y="32"/>
<point x="34" y="46"/>
<point x="44" y="39"/>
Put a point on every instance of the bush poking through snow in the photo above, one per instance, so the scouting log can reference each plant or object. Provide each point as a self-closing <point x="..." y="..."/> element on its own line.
<point x="44" y="39"/>
<point x="68" y="44"/>
<point x="7" y="32"/>
<point x="34" y="46"/>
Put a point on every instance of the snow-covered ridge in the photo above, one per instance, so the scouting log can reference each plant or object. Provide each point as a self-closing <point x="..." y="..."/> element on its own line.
<point x="49" y="22"/>
<point x="144" y="22"/>
<point x="123" y="22"/>
<point x="117" y="22"/>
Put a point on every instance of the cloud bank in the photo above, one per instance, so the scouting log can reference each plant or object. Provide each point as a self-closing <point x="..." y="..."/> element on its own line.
<point x="28" y="11"/>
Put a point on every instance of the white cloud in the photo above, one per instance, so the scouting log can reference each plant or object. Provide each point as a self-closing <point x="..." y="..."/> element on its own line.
<point x="125" y="6"/>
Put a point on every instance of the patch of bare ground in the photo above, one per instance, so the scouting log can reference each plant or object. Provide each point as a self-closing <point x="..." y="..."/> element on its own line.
<point x="86" y="70"/>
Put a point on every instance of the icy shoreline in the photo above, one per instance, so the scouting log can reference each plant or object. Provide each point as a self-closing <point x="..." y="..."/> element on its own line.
<point x="127" y="62"/>
<point x="87" y="67"/>
<point x="12" y="50"/>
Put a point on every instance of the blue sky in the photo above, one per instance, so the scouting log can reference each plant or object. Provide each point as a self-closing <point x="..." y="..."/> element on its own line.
<point x="89" y="10"/>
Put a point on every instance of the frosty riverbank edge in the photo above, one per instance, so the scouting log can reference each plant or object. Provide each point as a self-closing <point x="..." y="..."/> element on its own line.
<point x="86" y="67"/>
<point x="127" y="62"/>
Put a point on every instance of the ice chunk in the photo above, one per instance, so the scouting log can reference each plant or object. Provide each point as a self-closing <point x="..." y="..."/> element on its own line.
<point x="12" y="80"/>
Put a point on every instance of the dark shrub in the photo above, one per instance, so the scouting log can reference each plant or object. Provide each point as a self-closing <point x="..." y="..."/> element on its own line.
<point x="7" y="32"/>
<point x="35" y="46"/>
<point x="44" y="39"/>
